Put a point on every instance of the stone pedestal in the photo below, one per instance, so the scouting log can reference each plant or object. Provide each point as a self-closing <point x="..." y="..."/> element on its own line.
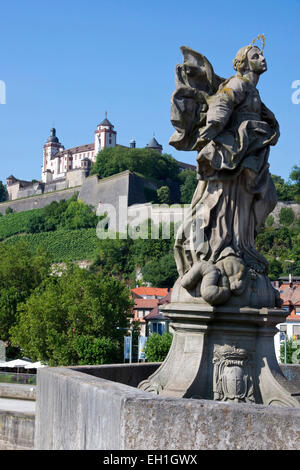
<point x="223" y="353"/>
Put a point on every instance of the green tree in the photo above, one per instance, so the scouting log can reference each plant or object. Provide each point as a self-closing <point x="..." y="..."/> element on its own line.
<point x="188" y="185"/>
<point x="114" y="257"/>
<point x="295" y="177"/>
<point x="21" y="271"/>
<point x="35" y="223"/>
<point x="163" y="194"/>
<point x="291" y="348"/>
<point x="146" y="162"/>
<point x="3" y="192"/>
<point x="157" y="347"/>
<point x="79" y="215"/>
<point x="286" y="216"/>
<point x="69" y="214"/>
<point x="162" y="272"/>
<point x="72" y="319"/>
<point x="269" y="221"/>
<point x="283" y="189"/>
<point x="275" y="269"/>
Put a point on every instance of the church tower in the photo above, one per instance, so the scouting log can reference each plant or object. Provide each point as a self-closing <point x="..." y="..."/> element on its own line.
<point x="51" y="148"/>
<point x="105" y="136"/>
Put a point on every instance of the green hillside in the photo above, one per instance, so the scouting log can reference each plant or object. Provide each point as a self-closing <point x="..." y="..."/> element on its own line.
<point x="66" y="230"/>
<point x="63" y="245"/>
<point x="16" y="222"/>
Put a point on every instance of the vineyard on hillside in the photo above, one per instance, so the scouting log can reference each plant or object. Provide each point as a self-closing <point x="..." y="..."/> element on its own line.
<point x="16" y="222"/>
<point x="63" y="245"/>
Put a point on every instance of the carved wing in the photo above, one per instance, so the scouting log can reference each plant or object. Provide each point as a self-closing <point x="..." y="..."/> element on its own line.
<point x="195" y="82"/>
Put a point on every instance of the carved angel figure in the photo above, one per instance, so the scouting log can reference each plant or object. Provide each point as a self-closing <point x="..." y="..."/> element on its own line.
<point x="226" y="122"/>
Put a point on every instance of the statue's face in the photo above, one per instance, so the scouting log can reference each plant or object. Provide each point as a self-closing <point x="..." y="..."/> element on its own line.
<point x="256" y="60"/>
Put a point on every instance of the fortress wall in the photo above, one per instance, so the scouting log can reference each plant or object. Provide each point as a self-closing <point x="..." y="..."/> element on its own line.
<point x="280" y="204"/>
<point x="13" y="190"/>
<point x="37" y="201"/>
<point x="95" y="191"/>
<point x="33" y="190"/>
<point x="55" y="186"/>
<point x="75" y="177"/>
<point x="136" y="189"/>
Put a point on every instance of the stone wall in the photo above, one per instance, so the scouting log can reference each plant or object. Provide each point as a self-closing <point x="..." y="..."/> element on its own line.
<point x="75" y="177"/>
<point x="121" y="191"/>
<point x="17" y="430"/>
<point x="37" y="202"/>
<point x="16" y="427"/>
<point x="113" y="195"/>
<point x="291" y="205"/>
<point x="18" y="391"/>
<point x="77" y="410"/>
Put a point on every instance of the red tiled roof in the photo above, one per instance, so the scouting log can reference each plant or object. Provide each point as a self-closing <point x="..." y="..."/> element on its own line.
<point x="145" y="303"/>
<point x="290" y="318"/>
<point x="79" y="149"/>
<point x="155" y="311"/>
<point x="135" y="295"/>
<point x="291" y="294"/>
<point x="157" y="291"/>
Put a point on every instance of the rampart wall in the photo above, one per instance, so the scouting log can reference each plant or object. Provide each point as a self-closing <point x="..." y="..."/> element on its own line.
<point x="37" y="201"/>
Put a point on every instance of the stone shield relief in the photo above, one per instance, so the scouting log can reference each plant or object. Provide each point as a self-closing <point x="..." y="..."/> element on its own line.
<point x="233" y="378"/>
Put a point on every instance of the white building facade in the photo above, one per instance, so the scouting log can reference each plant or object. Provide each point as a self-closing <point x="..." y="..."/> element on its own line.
<point x="58" y="161"/>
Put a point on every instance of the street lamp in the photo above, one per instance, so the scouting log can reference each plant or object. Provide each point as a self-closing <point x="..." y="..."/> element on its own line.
<point x="291" y="264"/>
<point x="130" y="350"/>
<point x="285" y="359"/>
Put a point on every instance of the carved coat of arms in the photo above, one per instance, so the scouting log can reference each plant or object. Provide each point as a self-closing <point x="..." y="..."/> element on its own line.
<point x="232" y="375"/>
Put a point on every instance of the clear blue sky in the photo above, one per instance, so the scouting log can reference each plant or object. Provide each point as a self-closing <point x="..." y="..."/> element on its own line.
<point x="66" y="62"/>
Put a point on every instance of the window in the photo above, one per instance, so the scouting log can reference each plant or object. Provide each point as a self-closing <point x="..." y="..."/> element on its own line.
<point x="140" y="313"/>
<point x="157" y="327"/>
<point x="296" y="330"/>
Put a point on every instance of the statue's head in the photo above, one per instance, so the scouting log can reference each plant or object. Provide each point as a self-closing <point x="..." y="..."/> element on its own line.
<point x="251" y="58"/>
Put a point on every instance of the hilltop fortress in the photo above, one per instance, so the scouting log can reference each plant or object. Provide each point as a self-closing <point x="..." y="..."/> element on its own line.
<point x="66" y="168"/>
<point x="66" y="171"/>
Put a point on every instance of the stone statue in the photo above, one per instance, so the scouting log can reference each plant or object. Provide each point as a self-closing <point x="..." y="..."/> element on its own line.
<point x="226" y="122"/>
<point x="224" y="311"/>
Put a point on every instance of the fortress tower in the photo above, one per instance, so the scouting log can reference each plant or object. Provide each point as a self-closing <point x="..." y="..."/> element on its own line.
<point x="51" y="148"/>
<point x="105" y="136"/>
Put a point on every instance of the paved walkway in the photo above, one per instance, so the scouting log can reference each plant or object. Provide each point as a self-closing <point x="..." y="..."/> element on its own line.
<point x="23" y="406"/>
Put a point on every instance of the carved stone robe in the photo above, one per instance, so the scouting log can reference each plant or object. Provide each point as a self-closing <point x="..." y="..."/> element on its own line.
<point x="235" y="192"/>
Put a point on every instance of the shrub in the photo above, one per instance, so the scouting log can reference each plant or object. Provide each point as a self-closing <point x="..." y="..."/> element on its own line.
<point x="163" y="194"/>
<point x="286" y="216"/>
<point x="73" y="319"/>
<point x="157" y="347"/>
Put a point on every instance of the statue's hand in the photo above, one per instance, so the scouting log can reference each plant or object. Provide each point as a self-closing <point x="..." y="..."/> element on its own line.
<point x="210" y="132"/>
